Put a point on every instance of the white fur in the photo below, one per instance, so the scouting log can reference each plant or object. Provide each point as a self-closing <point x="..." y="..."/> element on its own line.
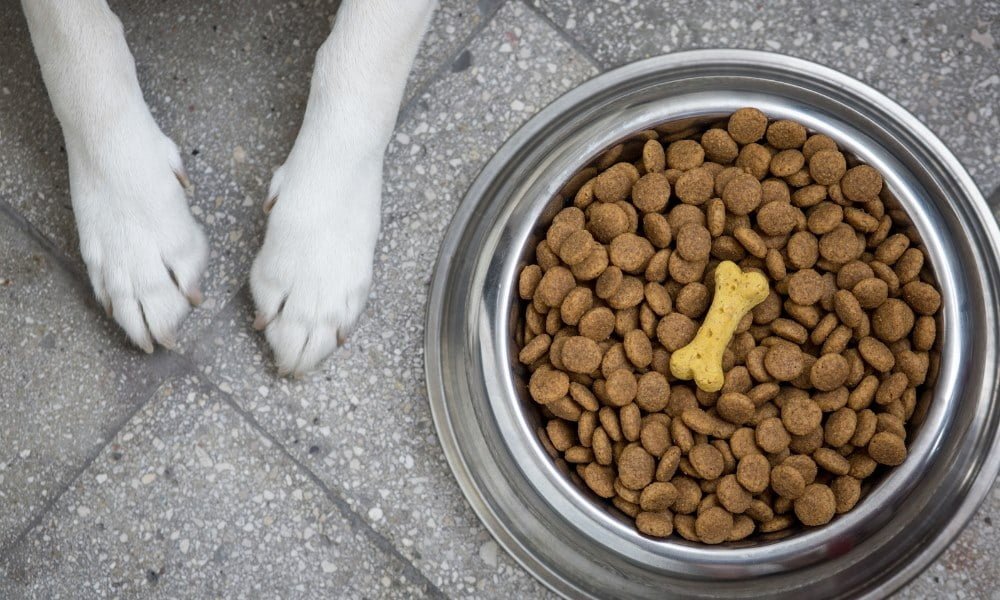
<point x="311" y="277"/>
<point x="144" y="251"/>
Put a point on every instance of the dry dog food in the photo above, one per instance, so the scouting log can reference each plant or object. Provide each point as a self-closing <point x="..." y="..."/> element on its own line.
<point x="728" y="331"/>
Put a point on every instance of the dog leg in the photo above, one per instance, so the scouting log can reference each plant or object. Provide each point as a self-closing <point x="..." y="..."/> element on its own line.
<point x="143" y="249"/>
<point x="310" y="280"/>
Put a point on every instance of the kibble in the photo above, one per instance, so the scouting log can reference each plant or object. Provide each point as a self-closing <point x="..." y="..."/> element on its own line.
<point x="820" y="379"/>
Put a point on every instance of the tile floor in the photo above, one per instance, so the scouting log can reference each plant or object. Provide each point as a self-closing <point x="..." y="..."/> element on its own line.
<point x="198" y="473"/>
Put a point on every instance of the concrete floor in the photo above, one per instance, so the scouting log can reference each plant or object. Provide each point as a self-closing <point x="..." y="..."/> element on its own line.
<point x="198" y="473"/>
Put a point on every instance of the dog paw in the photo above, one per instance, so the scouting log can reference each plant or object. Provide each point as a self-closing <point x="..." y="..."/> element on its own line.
<point x="143" y="249"/>
<point x="311" y="277"/>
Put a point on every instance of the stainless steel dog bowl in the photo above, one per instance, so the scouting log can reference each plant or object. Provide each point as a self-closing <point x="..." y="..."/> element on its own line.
<point x="578" y="547"/>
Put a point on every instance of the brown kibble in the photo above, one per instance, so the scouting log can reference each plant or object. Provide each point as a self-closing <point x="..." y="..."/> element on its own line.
<point x="827" y="166"/>
<point x="887" y="449"/>
<point x="840" y="427"/>
<point x="609" y="282"/>
<point x="750" y="240"/>
<point x="577" y="302"/>
<point x="600" y="479"/>
<point x="742" y="195"/>
<point x="651" y="192"/>
<point x="924" y="334"/>
<point x="735" y="407"/>
<point x="839" y="245"/>
<point x="657" y="229"/>
<point x="871" y="292"/>
<point x="755" y="160"/>
<point x="713" y="525"/>
<point x="707" y="460"/>
<point x="592" y="266"/>
<point x="631" y="421"/>
<point x="607" y="221"/>
<point x="732" y="496"/>
<point x="747" y="125"/>
<point x="876" y="354"/>
<point x="652" y="392"/>
<point x="861" y="183"/>
<point x="809" y="195"/>
<point x="846" y="492"/>
<point x="685" y="155"/>
<point x="772" y="436"/>
<point x="787" y="482"/>
<point x="534" y="349"/>
<point x="909" y="265"/>
<point x="829" y="372"/>
<point x="658" y="298"/>
<point x="576" y="247"/>
<point x="816" y="506"/>
<point x="803" y="250"/>
<point x="630" y="252"/>
<point x="655" y="437"/>
<point x="637" y="348"/>
<point x="635" y="467"/>
<point x="787" y="162"/>
<point x="688" y="495"/>
<point x="554" y="285"/>
<point x="694" y="242"/>
<point x="548" y="385"/>
<point x="653" y="158"/>
<point x="528" y="281"/>
<point x="892" y="321"/>
<point x="786" y="134"/>
<point x="800" y="415"/>
<point x="922" y="297"/>
<point x="848" y="308"/>
<point x="621" y="387"/>
<point x="597" y="323"/>
<point x="581" y="354"/>
<point x="824" y="217"/>
<point x="719" y="146"/>
<point x="675" y="331"/>
<point x="890" y="250"/>
<point x="817" y="142"/>
<point x="806" y="287"/>
<point x="693" y="300"/>
<point x="784" y="361"/>
<point x="754" y="473"/>
<point x="655" y="524"/>
<point x="778" y="218"/>
<point x="695" y="186"/>
<point x="612" y="185"/>
<point x="658" y="496"/>
<point x="831" y="460"/>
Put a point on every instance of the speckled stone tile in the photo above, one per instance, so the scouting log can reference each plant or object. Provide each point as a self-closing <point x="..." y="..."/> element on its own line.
<point x="189" y="501"/>
<point x="938" y="59"/>
<point x="67" y="379"/>
<point x="227" y="81"/>
<point x="969" y="568"/>
<point x="363" y="423"/>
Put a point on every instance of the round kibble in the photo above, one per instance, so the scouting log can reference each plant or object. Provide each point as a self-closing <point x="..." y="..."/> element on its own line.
<point x="621" y="387"/>
<point x="655" y="524"/>
<point x="747" y="125"/>
<point x="772" y="436"/>
<point x="630" y="252"/>
<point x="784" y="361"/>
<point x="732" y="496"/>
<point x="597" y="323"/>
<point x="846" y="492"/>
<point x="612" y="185"/>
<point x="735" y="407"/>
<point x="839" y="245"/>
<point x="607" y="221"/>
<point x="861" y="183"/>
<point x="706" y="460"/>
<point x="887" y="448"/>
<point x="786" y="134"/>
<point x="800" y="415"/>
<point x="922" y="297"/>
<point x="685" y="155"/>
<point x="816" y="506"/>
<point x="829" y="372"/>
<point x="653" y="158"/>
<point x="742" y="195"/>
<point x="754" y="473"/>
<point x="651" y="192"/>
<point x="787" y="162"/>
<point x="695" y="186"/>
<point x="827" y="166"/>
<point x="636" y="467"/>
<point x="787" y="481"/>
<point x="713" y="525"/>
<point x="658" y="496"/>
<point x="675" y="331"/>
<point x="719" y="146"/>
<point x="778" y="218"/>
<point x="548" y="385"/>
<point x="581" y="354"/>
<point x="806" y="287"/>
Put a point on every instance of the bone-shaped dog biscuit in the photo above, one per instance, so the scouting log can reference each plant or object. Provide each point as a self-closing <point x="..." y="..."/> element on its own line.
<point x="736" y="293"/>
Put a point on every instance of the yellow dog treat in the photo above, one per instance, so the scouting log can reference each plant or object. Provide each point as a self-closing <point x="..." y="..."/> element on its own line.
<point x="735" y="294"/>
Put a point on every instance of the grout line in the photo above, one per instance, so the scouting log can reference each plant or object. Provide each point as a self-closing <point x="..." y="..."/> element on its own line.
<point x="356" y="521"/>
<point x="446" y="63"/>
<point x="42" y="240"/>
<point x="171" y="368"/>
<point x="569" y="39"/>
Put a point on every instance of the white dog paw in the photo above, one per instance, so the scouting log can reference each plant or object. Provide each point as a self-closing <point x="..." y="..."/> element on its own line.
<point x="311" y="277"/>
<point x="143" y="250"/>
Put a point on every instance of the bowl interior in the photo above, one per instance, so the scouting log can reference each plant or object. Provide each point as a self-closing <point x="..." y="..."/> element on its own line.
<point x="531" y="412"/>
